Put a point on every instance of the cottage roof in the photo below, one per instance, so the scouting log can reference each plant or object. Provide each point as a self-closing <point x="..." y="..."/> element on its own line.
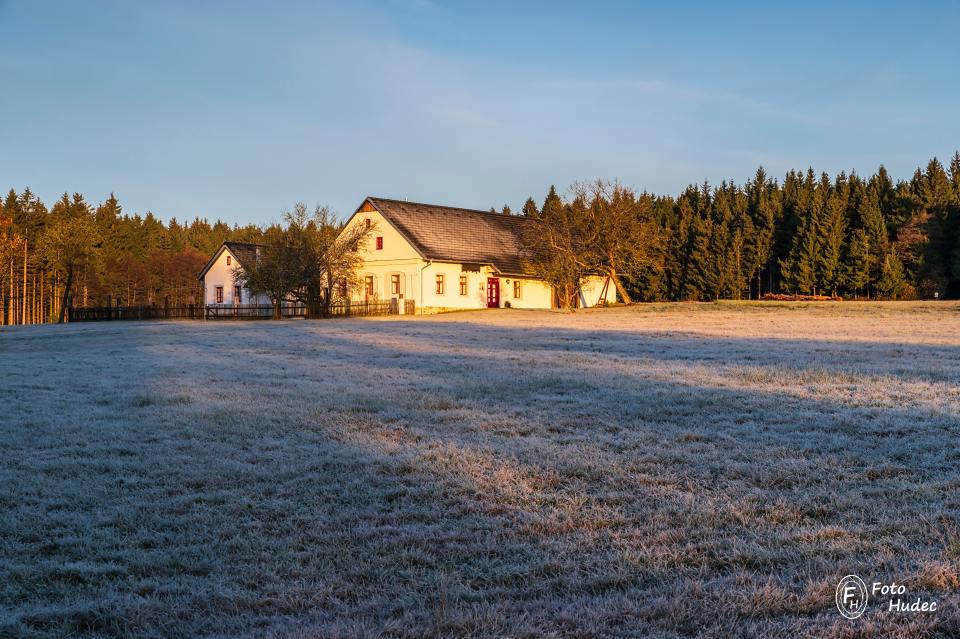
<point x="452" y="234"/>
<point x="245" y="252"/>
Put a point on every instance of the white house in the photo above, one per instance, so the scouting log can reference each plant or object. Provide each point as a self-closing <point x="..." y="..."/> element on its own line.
<point x="446" y="258"/>
<point x="219" y="289"/>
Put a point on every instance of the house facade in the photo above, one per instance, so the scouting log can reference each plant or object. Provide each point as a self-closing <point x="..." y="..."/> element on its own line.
<point x="447" y="258"/>
<point x="219" y="289"/>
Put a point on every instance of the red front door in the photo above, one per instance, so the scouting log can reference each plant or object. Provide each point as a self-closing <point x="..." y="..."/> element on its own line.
<point x="493" y="292"/>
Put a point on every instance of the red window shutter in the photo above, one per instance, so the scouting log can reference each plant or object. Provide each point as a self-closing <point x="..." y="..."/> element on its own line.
<point x="379" y="243"/>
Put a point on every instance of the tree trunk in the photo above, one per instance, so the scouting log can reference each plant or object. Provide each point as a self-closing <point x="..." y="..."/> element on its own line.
<point x="313" y="307"/>
<point x="65" y="300"/>
<point x="570" y="297"/>
<point x="25" y="317"/>
<point x="620" y="288"/>
<point x="12" y="312"/>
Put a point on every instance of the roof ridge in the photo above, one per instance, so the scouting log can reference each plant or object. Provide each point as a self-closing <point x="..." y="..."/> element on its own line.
<point x="444" y="206"/>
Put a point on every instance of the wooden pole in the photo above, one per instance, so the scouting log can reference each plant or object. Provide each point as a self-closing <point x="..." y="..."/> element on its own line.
<point x="16" y="293"/>
<point x="23" y="319"/>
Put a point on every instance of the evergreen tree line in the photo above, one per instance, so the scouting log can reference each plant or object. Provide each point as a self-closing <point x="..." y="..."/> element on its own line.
<point x="75" y="254"/>
<point x="809" y="234"/>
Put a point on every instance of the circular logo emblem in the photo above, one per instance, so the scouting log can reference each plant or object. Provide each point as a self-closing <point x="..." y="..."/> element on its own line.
<point x="851" y="596"/>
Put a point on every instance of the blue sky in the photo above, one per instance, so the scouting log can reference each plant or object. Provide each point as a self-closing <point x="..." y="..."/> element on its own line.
<point x="238" y="110"/>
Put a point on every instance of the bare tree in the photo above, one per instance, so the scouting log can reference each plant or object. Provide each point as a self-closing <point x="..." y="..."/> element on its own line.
<point x="277" y="271"/>
<point x="313" y="260"/>
<point x="337" y="258"/>
<point x="604" y="230"/>
<point x="619" y="234"/>
<point x="553" y="248"/>
<point x="69" y="245"/>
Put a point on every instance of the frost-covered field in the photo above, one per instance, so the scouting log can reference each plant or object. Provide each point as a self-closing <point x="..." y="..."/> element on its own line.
<point x="661" y="471"/>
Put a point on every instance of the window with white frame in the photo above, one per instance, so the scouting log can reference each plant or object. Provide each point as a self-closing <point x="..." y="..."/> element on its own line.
<point x="219" y="292"/>
<point x="516" y="289"/>
<point x="368" y="285"/>
<point x="395" y="284"/>
<point x="463" y="284"/>
<point x="439" y="285"/>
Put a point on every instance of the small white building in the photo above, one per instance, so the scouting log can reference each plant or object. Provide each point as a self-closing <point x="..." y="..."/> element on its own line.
<point x="447" y="258"/>
<point x="219" y="289"/>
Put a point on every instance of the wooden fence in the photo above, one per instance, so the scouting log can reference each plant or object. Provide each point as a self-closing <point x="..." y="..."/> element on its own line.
<point x="109" y="313"/>
<point x="246" y="312"/>
<point x="234" y="312"/>
<point x="368" y="309"/>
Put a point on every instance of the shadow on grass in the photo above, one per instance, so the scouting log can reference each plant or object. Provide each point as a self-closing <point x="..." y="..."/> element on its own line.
<point x="457" y="480"/>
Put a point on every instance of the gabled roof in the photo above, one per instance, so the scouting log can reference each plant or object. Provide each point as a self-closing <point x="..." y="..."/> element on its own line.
<point x="451" y="234"/>
<point x="244" y="252"/>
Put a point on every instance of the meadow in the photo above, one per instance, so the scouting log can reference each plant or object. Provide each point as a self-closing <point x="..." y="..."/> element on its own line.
<point x="673" y="470"/>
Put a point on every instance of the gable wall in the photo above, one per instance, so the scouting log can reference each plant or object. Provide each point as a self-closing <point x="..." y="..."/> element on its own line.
<point x="396" y="257"/>
<point x="220" y="274"/>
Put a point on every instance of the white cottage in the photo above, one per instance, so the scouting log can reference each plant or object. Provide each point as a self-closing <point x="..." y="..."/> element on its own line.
<point x="447" y="258"/>
<point x="219" y="289"/>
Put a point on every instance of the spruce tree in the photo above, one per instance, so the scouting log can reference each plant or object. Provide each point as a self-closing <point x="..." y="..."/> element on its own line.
<point x="763" y="209"/>
<point x="892" y="281"/>
<point x="552" y="203"/>
<point x="955" y="175"/>
<point x="833" y="233"/>
<point x="701" y="276"/>
<point x="530" y="208"/>
<point x="799" y="270"/>
<point x="676" y="266"/>
<point x="857" y="262"/>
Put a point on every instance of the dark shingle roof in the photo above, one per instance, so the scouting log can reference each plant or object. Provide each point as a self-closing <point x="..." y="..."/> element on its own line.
<point x="245" y="251"/>
<point x="451" y="234"/>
